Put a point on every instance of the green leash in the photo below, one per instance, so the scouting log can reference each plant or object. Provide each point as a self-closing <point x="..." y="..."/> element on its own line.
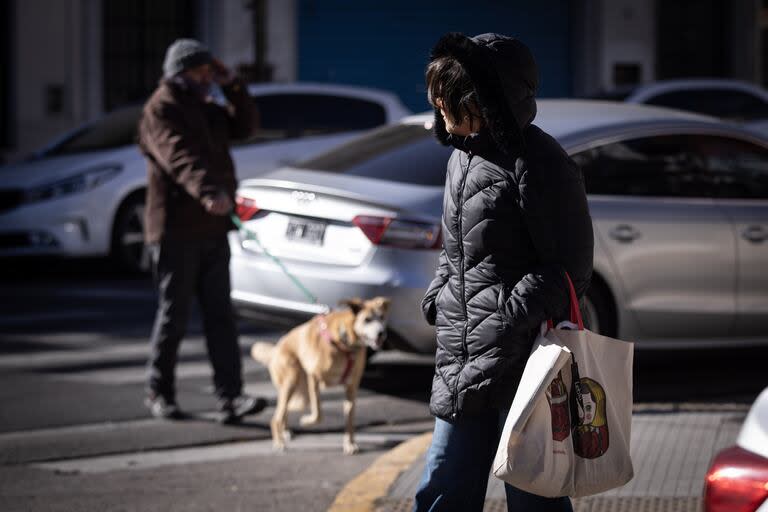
<point x="250" y="235"/>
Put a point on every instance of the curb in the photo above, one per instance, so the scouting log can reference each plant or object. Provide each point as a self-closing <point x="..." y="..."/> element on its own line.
<point x="363" y="491"/>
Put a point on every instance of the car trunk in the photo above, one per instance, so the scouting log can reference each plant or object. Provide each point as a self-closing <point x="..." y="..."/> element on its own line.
<point x="333" y="219"/>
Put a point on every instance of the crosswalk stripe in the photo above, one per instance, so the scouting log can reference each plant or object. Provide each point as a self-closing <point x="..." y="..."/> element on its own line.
<point x="220" y="452"/>
<point x="111" y="355"/>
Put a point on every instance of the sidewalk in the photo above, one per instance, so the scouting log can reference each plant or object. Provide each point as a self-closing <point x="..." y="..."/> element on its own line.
<point x="671" y="450"/>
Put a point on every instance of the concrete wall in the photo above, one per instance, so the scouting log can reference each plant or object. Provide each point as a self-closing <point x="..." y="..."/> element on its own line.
<point x="627" y="34"/>
<point x="282" y="45"/>
<point x="627" y="37"/>
<point x="586" y="46"/>
<point x="746" y="43"/>
<point x="58" y="49"/>
<point x="226" y="26"/>
<point x="55" y="55"/>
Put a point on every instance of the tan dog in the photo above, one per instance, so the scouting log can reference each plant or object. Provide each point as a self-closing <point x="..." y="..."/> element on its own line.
<point x="326" y="351"/>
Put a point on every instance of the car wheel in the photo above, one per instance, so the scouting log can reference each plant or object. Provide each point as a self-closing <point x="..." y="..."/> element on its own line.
<point x="598" y="310"/>
<point x="128" y="235"/>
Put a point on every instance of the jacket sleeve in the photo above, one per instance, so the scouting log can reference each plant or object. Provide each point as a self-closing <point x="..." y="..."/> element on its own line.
<point x="168" y="140"/>
<point x="243" y="116"/>
<point x="428" y="308"/>
<point x="554" y="206"/>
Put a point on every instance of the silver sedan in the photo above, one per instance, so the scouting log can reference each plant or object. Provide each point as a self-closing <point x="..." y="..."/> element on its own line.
<point x="679" y="204"/>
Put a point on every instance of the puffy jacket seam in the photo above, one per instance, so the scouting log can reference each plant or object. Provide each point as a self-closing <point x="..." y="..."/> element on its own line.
<point x="450" y="290"/>
<point x="453" y="201"/>
<point x="474" y="266"/>
<point x="478" y="163"/>
<point x="450" y="322"/>
<point x="453" y="360"/>
<point x="473" y="228"/>
<point x="466" y="199"/>
<point x="481" y="290"/>
<point x="439" y="372"/>
<point x="481" y="322"/>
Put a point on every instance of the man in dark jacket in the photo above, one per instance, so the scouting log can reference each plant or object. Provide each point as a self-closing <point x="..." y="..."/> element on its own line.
<point x="515" y="219"/>
<point x="185" y="138"/>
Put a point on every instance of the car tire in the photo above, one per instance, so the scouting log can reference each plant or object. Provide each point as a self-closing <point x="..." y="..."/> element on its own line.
<point x="128" y="235"/>
<point x="598" y="310"/>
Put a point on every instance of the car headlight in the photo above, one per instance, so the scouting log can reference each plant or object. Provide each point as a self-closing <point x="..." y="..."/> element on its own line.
<point x="81" y="182"/>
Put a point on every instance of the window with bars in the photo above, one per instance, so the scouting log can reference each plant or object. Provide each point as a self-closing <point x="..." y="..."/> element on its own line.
<point x="136" y="35"/>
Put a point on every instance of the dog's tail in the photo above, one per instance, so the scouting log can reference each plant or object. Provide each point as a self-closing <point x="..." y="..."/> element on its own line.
<point x="262" y="352"/>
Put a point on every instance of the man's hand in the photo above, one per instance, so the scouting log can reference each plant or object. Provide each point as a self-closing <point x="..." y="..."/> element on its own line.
<point x="221" y="73"/>
<point x="220" y="204"/>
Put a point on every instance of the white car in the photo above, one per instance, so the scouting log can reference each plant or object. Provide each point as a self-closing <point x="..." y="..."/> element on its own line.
<point x="84" y="194"/>
<point x="732" y="100"/>
<point x="737" y="480"/>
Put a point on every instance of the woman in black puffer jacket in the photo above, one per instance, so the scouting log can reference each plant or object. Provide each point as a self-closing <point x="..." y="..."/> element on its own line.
<point x="515" y="219"/>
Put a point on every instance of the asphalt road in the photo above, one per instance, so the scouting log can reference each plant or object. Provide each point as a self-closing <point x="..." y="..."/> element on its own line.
<point x="74" y="434"/>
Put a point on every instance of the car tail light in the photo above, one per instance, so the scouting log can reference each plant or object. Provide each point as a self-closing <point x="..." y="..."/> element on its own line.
<point x="399" y="233"/>
<point x="245" y="207"/>
<point x="737" y="481"/>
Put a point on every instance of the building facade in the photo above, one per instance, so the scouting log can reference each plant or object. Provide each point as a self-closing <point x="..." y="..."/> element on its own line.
<point x="66" y="62"/>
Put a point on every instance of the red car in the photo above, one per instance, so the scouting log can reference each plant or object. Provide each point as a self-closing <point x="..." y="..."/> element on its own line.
<point x="737" y="481"/>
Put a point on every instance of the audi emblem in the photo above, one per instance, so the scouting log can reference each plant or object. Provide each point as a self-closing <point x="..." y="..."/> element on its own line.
<point x="302" y="197"/>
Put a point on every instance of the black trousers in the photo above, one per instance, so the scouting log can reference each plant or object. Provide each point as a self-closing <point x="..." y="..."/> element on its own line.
<point x="183" y="270"/>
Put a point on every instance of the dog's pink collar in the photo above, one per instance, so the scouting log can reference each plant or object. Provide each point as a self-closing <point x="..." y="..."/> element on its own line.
<point x="325" y="333"/>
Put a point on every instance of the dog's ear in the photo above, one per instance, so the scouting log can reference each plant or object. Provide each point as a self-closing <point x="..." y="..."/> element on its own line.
<point x="355" y="304"/>
<point x="384" y="302"/>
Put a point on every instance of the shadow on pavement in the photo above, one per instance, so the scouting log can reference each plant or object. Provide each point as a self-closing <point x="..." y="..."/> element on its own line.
<point x="52" y="269"/>
<point x="733" y="375"/>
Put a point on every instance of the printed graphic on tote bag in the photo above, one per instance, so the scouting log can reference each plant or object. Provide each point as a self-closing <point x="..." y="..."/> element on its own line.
<point x="590" y="436"/>
<point x="557" y="396"/>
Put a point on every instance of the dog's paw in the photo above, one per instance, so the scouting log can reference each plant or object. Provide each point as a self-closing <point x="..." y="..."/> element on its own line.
<point x="350" y="448"/>
<point x="308" y="420"/>
<point x="278" y="446"/>
<point x="287" y="435"/>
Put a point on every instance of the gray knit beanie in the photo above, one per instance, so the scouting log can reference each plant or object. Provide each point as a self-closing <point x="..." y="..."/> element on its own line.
<point x="184" y="54"/>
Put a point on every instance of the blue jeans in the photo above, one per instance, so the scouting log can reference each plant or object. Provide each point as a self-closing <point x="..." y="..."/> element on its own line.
<point x="459" y="463"/>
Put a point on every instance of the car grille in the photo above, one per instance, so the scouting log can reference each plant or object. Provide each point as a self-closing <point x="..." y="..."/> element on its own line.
<point x="10" y="198"/>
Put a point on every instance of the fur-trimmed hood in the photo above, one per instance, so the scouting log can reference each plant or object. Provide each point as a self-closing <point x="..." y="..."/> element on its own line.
<point x="505" y="76"/>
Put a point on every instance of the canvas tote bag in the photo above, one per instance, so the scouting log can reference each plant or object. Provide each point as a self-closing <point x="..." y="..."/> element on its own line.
<point x="568" y="429"/>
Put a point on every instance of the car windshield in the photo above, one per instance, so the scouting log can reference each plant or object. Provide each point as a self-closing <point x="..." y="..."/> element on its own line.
<point x="404" y="153"/>
<point x="114" y="130"/>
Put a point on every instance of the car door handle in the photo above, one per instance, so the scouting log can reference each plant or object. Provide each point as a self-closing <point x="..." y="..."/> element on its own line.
<point x="624" y="233"/>
<point x="755" y="234"/>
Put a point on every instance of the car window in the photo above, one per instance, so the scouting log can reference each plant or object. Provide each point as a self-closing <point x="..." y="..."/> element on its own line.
<point x="116" y="129"/>
<point x="291" y="115"/>
<point x="724" y="103"/>
<point x="662" y="166"/>
<point x="403" y="153"/>
<point x="736" y="169"/>
<point x="677" y="166"/>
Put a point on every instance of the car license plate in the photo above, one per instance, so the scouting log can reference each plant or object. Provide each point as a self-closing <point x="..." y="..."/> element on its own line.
<point x="306" y="231"/>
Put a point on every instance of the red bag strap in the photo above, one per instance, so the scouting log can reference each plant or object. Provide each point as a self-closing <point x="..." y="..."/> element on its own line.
<point x="575" y="312"/>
